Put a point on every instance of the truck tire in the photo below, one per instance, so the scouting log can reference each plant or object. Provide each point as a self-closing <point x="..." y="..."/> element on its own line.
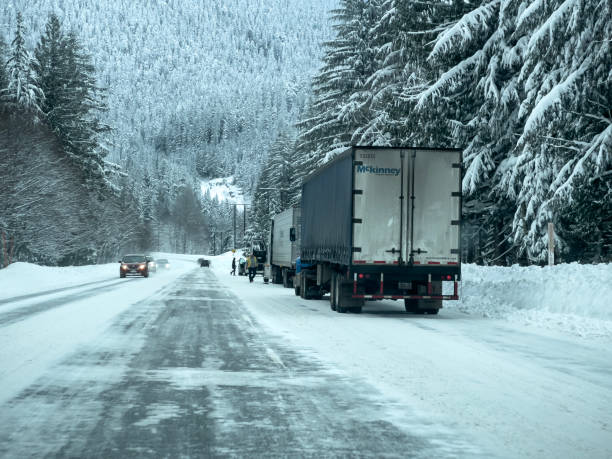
<point x="276" y="275"/>
<point x="340" y="301"/>
<point x="344" y="300"/>
<point x="285" y="276"/>
<point x="332" y="291"/>
<point x="296" y="285"/>
<point x="303" y="284"/>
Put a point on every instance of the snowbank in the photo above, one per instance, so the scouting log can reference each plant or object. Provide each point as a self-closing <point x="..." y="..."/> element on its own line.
<point x="568" y="298"/>
<point x="571" y="298"/>
<point x="25" y="278"/>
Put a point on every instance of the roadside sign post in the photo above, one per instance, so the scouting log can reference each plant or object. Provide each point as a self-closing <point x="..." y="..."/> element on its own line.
<point x="551" y="244"/>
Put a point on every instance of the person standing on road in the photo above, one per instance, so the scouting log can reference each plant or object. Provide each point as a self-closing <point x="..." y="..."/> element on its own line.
<point x="252" y="266"/>
<point x="233" y="271"/>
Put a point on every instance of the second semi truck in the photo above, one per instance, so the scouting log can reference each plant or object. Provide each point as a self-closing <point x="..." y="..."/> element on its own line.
<point x="382" y="223"/>
<point x="284" y="245"/>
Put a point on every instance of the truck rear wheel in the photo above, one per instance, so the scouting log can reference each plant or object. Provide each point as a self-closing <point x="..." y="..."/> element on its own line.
<point x="276" y="275"/>
<point x="344" y="300"/>
<point x="285" y="276"/>
<point x="303" y="286"/>
<point x="332" y="291"/>
<point x="340" y="301"/>
<point x="296" y="284"/>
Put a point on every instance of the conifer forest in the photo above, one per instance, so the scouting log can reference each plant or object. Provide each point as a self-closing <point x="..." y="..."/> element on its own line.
<point x="113" y="114"/>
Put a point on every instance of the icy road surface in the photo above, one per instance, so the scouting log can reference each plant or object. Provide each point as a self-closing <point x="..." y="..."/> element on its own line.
<point x="195" y="363"/>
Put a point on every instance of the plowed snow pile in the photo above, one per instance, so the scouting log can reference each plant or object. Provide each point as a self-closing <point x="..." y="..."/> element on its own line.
<point x="571" y="298"/>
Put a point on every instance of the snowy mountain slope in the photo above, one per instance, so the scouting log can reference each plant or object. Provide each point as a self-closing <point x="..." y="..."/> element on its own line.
<point x="189" y="78"/>
<point x="224" y="189"/>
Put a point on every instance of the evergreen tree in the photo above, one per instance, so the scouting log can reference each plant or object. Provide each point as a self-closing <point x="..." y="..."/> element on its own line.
<point x="74" y="102"/>
<point x="22" y="91"/>
<point x="273" y="192"/>
<point x="338" y="107"/>
<point x="3" y="70"/>
<point x="52" y="71"/>
<point x="525" y="88"/>
<point x="261" y="210"/>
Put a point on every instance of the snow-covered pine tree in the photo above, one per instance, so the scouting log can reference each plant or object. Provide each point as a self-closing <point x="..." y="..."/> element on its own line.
<point x="261" y="210"/>
<point x="340" y="104"/>
<point x="337" y="108"/>
<point x="52" y="73"/>
<point x="566" y="138"/>
<point x="3" y="71"/>
<point x="401" y="39"/>
<point x="83" y="104"/>
<point x="273" y="192"/>
<point x="23" y="91"/>
<point x="74" y="102"/>
<point x="517" y="84"/>
<point x="281" y="166"/>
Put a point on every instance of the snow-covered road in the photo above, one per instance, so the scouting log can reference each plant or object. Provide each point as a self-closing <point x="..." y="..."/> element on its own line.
<point x="195" y="362"/>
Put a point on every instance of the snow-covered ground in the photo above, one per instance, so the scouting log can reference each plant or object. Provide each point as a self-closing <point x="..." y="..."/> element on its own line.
<point x="27" y="278"/>
<point x="60" y="321"/>
<point x="522" y="362"/>
<point x="223" y="189"/>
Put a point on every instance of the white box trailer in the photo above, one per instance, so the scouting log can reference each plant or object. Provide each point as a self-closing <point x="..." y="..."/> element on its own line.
<point x="284" y="243"/>
<point x="383" y="223"/>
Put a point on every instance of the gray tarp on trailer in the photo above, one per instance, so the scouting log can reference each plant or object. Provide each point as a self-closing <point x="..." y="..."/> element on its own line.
<point x="327" y="213"/>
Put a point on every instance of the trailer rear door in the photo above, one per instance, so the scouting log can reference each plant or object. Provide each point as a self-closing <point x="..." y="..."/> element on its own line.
<point x="377" y="207"/>
<point x="435" y="184"/>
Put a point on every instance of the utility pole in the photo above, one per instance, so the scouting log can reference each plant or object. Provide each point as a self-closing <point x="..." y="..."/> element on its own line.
<point x="234" y="227"/>
<point x="244" y="206"/>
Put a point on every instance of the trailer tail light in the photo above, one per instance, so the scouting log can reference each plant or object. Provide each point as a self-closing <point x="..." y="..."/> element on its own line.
<point x="360" y="276"/>
<point x="449" y="277"/>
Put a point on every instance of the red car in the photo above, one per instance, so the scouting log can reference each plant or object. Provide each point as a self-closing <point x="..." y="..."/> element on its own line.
<point x="134" y="265"/>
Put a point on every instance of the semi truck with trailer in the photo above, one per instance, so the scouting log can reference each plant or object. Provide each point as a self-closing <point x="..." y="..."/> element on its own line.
<point x="284" y="245"/>
<point x="382" y="223"/>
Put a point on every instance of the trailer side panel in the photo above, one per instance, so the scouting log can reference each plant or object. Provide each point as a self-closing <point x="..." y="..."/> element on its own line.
<point x="326" y="214"/>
